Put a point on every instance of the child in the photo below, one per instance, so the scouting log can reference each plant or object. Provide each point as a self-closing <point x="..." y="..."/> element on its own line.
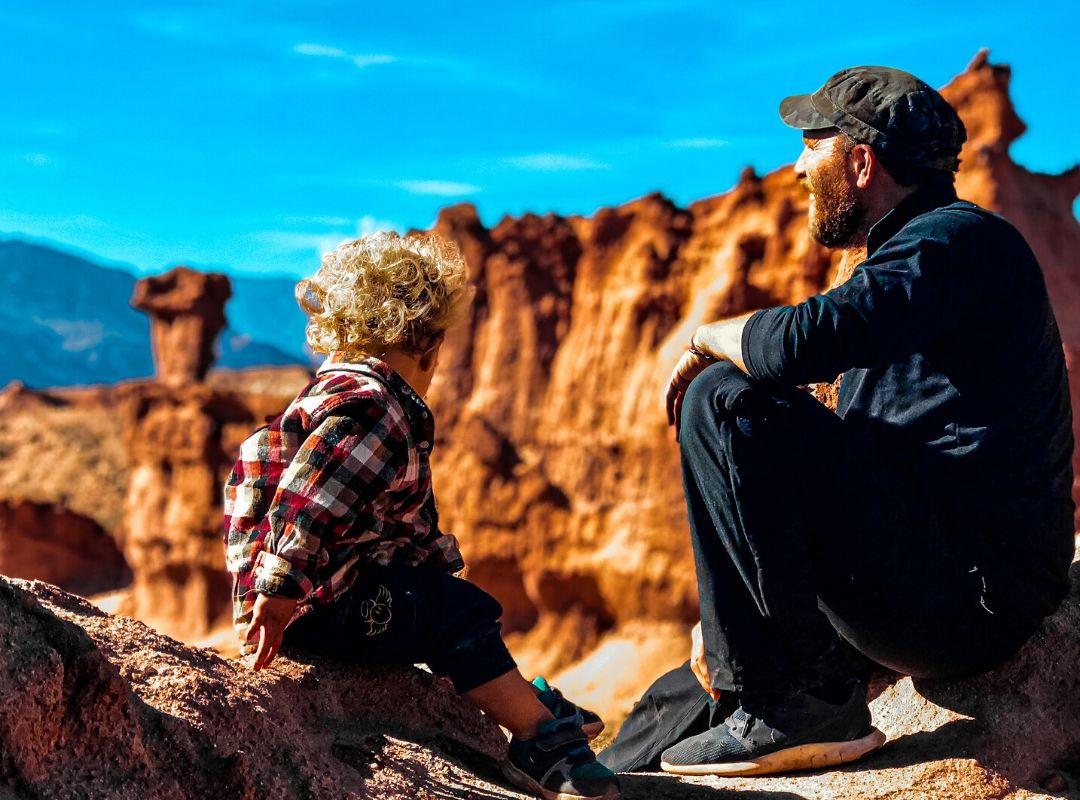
<point x="332" y="530"/>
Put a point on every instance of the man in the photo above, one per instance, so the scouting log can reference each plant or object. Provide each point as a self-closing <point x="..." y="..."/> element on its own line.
<point x="928" y="523"/>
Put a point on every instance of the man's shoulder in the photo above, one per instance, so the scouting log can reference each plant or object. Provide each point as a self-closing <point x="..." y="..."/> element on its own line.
<point x="964" y="227"/>
<point x="961" y="216"/>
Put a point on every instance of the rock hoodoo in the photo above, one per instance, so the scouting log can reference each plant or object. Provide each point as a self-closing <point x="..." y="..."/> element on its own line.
<point x="182" y="436"/>
<point x="187" y="312"/>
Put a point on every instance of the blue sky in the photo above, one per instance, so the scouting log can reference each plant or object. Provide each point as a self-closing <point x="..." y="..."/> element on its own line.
<point x="251" y="136"/>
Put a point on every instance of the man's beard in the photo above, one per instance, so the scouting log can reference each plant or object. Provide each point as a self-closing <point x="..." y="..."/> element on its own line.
<point x="837" y="219"/>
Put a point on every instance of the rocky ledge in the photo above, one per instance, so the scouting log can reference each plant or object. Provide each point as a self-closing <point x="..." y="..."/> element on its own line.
<point x="100" y="706"/>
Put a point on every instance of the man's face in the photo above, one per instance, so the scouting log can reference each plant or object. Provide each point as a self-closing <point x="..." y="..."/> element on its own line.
<point x="837" y="215"/>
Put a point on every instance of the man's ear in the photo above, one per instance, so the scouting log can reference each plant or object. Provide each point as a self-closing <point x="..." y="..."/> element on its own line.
<point x="864" y="165"/>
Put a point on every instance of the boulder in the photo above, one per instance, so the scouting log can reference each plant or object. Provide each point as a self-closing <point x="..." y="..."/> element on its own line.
<point x="97" y="706"/>
<point x="100" y="707"/>
<point x="1013" y="732"/>
<point x="52" y="543"/>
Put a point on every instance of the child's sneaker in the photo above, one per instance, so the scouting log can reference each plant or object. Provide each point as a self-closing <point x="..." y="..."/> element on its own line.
<point x="558" y="765"/>
<point x="561" y="708"/>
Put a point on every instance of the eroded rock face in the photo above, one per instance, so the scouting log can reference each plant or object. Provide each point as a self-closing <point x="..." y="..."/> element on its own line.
<point x="187" y="312"/>
<point x="182" y="437"/>
<point x="181" y="444"/>
<point x="49" y="542"/>
<point x="554" y="464"/>
<point x="103" y="708"/>
<point x="1039" y="205"/>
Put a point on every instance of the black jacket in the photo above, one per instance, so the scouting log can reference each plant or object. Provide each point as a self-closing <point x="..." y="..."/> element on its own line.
<point x="952" y="360"/>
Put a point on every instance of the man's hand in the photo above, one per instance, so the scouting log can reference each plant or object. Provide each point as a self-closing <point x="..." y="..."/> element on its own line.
<point x="268" y="622"/>
<point x="689" y="367"/>
<point x="719" y="341"/>
<point x="698" y="665"/>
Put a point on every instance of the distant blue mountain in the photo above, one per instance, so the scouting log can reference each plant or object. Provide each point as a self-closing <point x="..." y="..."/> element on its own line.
<point x="66" y="321"/>
<point x="265" y="309"/>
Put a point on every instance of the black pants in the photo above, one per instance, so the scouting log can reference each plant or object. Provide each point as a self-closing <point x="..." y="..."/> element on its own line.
<point x="672" y="709"/>
<point x="804" y="531"/>
<point x="411" y="615"/>
<point x="813" y="546"/>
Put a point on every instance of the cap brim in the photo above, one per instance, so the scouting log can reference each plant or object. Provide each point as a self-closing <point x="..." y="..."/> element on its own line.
<point x="798" y="111"/>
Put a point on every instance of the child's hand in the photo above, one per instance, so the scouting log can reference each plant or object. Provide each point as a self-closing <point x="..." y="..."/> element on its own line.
<point x="268" y="621"/>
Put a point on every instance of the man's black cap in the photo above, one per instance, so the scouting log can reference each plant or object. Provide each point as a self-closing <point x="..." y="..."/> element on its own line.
<point x="890" y="110"/>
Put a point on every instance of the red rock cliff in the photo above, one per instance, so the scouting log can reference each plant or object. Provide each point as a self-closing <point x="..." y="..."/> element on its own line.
<point x="555" y="465"/>
<point x="182" y="436"/>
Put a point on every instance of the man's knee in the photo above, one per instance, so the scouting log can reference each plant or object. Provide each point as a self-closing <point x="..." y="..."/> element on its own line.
<point x="714" y="392"/>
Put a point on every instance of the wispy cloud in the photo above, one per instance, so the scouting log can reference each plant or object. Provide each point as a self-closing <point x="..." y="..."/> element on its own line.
<point x="698" y="143"/>
<point x="321" y="241"/>
<point x="33" y="159"/>
<point x="554" y="162"/>
<point x="298" y="241"/>
<point x="358" y="60"/>
<point x="309" y="49"/>
<point x="368" y="224"/>
<point x="438" y="188"/>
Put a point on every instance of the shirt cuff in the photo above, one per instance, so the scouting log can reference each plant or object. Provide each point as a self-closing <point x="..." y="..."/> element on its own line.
<point x="749" y="346"/>
<point x="276" y="577"/>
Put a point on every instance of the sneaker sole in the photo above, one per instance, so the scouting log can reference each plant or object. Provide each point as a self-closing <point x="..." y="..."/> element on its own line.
<point x="806" y="756"/>
<point x="523" y="781"/>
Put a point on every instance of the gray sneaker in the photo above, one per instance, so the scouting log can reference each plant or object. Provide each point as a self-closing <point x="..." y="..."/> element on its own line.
<point x="779" y="733"/>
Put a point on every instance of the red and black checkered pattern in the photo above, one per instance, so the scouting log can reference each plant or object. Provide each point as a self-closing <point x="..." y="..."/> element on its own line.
<point x="340" y="479"/>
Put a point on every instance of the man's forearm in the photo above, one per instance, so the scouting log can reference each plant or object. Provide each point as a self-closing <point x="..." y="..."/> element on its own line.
<point x="723" y="340"/>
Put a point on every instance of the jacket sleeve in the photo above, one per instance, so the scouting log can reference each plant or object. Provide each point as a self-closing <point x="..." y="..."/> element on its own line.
<point x="898" y="300"/>
<point x="350" y="457"/>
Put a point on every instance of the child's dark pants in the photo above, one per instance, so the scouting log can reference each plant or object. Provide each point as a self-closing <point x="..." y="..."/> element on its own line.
<point x="411" y="615"/>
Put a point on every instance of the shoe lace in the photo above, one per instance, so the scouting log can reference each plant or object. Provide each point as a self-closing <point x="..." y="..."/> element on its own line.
<point x="752" y="708"/>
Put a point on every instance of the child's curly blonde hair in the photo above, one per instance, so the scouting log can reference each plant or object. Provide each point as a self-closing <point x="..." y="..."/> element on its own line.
<point x="381" y="291"/>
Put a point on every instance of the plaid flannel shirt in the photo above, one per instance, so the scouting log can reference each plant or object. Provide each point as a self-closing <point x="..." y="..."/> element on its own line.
<point x="339" y="480"/>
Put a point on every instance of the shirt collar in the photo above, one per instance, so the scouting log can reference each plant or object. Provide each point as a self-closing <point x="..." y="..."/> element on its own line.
<point x="377" y="368"/>
<point x="918" y="202"/>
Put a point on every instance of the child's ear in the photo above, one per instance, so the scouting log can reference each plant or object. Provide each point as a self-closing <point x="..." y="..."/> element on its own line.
<point x="431" y="353"/>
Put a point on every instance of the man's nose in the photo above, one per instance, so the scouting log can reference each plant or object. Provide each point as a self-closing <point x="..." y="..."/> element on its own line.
<point x="800" y="165"/>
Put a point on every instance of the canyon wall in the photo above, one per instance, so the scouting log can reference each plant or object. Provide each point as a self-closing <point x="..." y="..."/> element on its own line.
<point x="554" y="463"/>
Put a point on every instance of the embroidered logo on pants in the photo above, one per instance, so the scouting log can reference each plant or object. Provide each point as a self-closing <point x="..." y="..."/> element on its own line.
<point x="377" y="612"/>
